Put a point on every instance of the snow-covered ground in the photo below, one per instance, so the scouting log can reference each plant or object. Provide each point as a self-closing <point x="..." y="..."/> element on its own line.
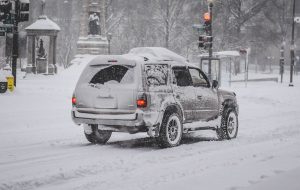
<point x="41" y="148"/>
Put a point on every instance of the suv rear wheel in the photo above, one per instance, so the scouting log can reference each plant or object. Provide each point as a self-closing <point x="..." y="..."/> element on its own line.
<point x="171" y="130"/>
<point x="229" y="125"/>
<point x="98" y="136"/>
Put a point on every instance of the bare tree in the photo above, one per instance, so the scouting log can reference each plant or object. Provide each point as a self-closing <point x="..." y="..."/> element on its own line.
<point x="167" y="15"/>
<point x="238" y="13"/>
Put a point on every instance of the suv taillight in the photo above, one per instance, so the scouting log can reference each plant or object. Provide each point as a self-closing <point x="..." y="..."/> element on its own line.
<point x="74" y="101"/>
<point x="141" y="102"/>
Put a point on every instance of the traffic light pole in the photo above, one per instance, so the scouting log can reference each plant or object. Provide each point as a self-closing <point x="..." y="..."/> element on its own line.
<point x="15" y="46"/>
<point x="292" y="47"/>
<point x="210" y="50"/>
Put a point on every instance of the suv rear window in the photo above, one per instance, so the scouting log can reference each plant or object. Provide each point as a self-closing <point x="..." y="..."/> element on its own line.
<point x="116" y="74"/>
<point x="156" y="74"/>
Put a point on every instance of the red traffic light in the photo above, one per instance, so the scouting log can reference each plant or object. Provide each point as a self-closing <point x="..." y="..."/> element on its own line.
<point x="207" y="17"/>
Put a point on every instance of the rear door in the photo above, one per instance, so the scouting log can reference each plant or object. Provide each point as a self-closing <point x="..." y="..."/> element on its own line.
<point x="206" y="97"/>
<point x="184" y="91"/>
<point x="109" y="88"/>
<point x="157" y="84"/>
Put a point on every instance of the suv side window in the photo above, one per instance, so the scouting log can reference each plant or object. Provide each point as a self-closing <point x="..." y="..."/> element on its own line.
<point x="156" y="74"/>
<point x="198" y="78"/>
<point x="182" y="76"/>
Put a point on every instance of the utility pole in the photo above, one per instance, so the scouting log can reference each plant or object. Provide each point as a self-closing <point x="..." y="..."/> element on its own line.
<point x="210" y="33"/>
<point x="15" y="46"/>
<point x="293" y="46"/>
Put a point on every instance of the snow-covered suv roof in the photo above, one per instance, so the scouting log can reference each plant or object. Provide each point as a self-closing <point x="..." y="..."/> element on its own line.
<point x="157" y="53"/>
<point x="111" y="59"/>
<point x="144" y="55"/>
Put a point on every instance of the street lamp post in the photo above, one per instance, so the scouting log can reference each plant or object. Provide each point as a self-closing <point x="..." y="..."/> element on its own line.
<point x="292" y="47"/>
<point x="109" y="37"/>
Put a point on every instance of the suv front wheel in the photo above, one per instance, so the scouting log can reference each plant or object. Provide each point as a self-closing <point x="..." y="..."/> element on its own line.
<point x="98" y="136"/>
<point x="171" y="130"/>
<point x="229" y="125"/>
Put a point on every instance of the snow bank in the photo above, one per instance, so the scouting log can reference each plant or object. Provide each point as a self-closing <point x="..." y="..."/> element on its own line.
<point x="3" y="75"/>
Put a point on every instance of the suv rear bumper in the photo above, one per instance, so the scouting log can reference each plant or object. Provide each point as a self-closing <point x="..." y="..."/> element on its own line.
<point x="120" y="119"/>
<point x="131" y="123"/>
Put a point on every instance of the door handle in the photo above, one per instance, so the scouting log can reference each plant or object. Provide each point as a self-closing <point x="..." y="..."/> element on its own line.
<point x="178" y="94"/>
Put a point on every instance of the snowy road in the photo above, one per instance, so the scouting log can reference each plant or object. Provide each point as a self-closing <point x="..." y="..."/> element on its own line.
<point x="40" y="147"/>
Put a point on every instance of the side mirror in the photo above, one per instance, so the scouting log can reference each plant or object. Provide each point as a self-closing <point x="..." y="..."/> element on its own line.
<point x="215" y="84"/>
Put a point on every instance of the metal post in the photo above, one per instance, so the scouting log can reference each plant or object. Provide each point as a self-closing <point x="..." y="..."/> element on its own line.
<point x="109" y="47"/>
<point x="292" y="47"/>
<point x="220" y="73"/>
<point x="230" y="72"/>
<point x="270" y="64"/>
<point x="15" y="46"/>
<point x="210" y="50"/>
<point x="245" y="71"/>
<point x="281" y="62"/>
<point x="247" y="68"/>
<point x="109" y="37"/>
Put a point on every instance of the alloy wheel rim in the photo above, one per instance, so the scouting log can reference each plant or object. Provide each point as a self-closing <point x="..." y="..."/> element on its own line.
<point x="232" y="125"/>
<point x="173" y="130"/>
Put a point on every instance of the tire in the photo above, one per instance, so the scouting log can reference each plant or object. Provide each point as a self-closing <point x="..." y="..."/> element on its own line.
<point x="98" y="136"/>
<point x="171" y="130"/>
<point x="229" y="125"/>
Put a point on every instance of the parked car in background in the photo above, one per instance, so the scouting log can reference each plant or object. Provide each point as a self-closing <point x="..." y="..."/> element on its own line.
<point x="145" y="91"/>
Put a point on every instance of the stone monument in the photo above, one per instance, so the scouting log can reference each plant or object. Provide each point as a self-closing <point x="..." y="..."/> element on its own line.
<point x="92" y="38"/>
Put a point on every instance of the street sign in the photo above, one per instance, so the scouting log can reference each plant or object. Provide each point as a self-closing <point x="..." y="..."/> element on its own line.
<point x="6" y="25"/>
<point x="297" y="20"/>
<point x="199" y="27"/>
<point x="5" y="28"/>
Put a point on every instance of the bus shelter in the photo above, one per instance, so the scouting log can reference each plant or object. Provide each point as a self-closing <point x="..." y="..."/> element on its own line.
<point x="222" y="65"/>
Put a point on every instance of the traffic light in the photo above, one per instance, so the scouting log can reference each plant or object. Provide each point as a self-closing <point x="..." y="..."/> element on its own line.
<point x="205" y="42"/>
<point x="5" y="8"/>
<point x="201" y="42"/>
<point x="24" y="11"/>
<point x="207" y="22"/>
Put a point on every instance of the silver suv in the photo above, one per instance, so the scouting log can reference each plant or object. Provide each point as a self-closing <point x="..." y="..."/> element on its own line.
<point x="143" y="93"/>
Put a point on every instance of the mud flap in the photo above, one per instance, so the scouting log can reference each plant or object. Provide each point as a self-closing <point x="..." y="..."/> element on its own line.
<point x="154" y="130"/>
<point x="87" y="129"/>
